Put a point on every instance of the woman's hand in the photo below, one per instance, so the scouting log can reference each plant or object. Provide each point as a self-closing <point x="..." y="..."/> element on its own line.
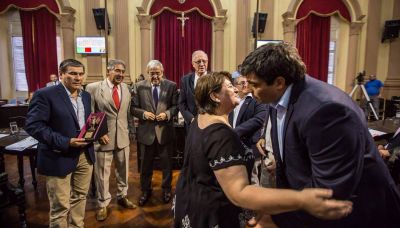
<point x="318" y="202"/>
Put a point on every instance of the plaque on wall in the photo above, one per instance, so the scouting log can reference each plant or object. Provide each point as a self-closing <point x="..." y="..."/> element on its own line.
<point x="95" y="127"/>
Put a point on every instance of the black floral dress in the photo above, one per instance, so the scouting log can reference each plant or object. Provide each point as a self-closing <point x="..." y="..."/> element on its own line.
<point x="199" y="201"/>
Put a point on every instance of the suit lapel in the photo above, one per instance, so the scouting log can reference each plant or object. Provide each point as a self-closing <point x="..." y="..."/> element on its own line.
<point x="163" y="91"/>
<point x="150" y="95"/>
<point x="106" y="95"/>
<point x="64" y="96"/>
<point x="191" y="82"/>
<point x="274" y="135"/>
<point x="124" y="95"/>
<point x="243" y="110"/>
<point x="230" y="117"/>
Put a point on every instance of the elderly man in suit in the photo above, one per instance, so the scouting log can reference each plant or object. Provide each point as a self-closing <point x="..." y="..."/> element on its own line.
<point x="55" y="116"/>
<point x="112" y="97"/>
<point x="247" y="119"/>
<point x="320" y="139"/>
<point x="53" y="80"/>
<point x="155" y="105"/>
<point x="187" y="104"/>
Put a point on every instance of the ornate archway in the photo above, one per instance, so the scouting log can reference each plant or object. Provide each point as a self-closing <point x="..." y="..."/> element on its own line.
<point x="145" y="20"/>
<point x="67" y="24"/>
<point x="355" y="25"/>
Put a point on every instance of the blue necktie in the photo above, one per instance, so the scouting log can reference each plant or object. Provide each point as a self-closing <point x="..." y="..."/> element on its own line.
<point x="155" y="96"/>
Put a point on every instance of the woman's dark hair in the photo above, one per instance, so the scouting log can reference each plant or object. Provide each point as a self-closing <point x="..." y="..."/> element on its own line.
<point x="206" y="85"/>
<point x="272" y="60"/>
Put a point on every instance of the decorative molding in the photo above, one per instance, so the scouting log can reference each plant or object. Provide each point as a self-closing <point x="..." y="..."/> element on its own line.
<point x="144" y="21"/>
<point x="355" y="28"/>
<point x="289" y="25"/>
<point x="219" y="23"/>
<point x="67" y="21"/>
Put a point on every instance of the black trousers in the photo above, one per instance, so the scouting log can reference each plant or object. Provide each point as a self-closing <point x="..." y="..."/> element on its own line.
<point x="148" y="154"/>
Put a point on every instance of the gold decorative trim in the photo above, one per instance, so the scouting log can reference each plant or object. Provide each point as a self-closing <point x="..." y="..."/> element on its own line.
<point x="31" y="9"/>
<point x="178" y="12"/>
<point x="323" y="15"/>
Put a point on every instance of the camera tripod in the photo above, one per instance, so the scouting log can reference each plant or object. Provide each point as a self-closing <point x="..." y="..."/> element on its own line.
<point x="359" y="84"/>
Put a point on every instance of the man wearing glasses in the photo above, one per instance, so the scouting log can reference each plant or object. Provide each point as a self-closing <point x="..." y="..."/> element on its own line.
<point x="55" y="116"/>
<point x="112" y="97"/>
<point x="187" y="104"/>
<point x="247" y="119"/>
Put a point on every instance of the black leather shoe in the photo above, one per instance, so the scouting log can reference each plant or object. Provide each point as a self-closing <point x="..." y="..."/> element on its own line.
<point x="144" y="198"/>
<point x="166" y="197"/>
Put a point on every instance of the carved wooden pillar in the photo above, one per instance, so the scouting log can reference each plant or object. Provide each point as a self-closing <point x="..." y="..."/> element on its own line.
<point x="392" y="83"/>
<point x="289" y="28"/>
<point x="121" y="29"/>
<point x="242" y="38"/>
<point x="145" y="24"/>
<point x="218" y="23"/>
<point x="94" y="65"/>
<point x="67" y="23"/>
<point x="354" y="35"/>
<point x="373" y="38"/>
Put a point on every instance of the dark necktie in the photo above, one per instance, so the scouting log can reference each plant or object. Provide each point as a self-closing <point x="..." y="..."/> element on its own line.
<point x="115" y="96"/>
<point x="155" y="96"/>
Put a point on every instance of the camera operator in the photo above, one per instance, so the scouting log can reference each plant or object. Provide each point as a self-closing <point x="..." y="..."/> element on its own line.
<point x="374" y="91"/>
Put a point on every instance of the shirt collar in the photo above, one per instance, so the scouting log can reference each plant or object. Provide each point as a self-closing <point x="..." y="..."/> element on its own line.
<point x="284" y="101"/>
<point x="69" y="93"/>
<point x="110" y="84"/>
<point x="197" y="76"/>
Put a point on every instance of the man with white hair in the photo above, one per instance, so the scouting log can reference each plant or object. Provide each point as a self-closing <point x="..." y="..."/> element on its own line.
<point x="155" y="105"/>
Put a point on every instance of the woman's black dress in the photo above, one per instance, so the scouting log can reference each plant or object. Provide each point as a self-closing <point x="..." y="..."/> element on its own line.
<point x="199" y="201"/>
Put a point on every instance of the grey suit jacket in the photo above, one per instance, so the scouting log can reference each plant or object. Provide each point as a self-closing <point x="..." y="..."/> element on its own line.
<point x="117" y="120"/>
<point x="148" y="130"/>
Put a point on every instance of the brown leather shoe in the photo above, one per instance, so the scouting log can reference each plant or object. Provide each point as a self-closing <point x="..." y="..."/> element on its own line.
<point x="126" y="203"/>
<point x="101" y="214"/>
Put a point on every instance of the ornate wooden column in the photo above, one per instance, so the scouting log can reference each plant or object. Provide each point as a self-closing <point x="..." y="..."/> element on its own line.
<point x="242" y="38"/>
<point x="145" y="24"/>
<point x="392" y="83"/>
<point x="67" y="22"/>
<point x="121" y="29"/>
<point x="289" y="29"/>
<point x="94" y="65"/>
<point x="351" y="72"/>
<point x="218" y="47"/>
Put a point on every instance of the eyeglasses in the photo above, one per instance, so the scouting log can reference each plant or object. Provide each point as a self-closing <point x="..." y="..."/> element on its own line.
<point x="75" y="73"/>
<point x="198" y="62"/>
<point x="119" y="71"/>
<point x="242" y="83"/>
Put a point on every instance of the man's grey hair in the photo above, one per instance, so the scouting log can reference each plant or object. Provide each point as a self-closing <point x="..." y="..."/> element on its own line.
<point x="155" y="63"/>
<point x="113" y="62"/>
<point x="198" y="52"/>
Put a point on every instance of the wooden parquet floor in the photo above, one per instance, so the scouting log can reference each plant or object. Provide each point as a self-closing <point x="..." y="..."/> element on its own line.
<point x="154" y="214"/>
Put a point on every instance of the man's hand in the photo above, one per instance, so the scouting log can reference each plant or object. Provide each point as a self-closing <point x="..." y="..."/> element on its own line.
<point x="75" y="142"/>
<point x="149" y="116"/>
<point x="261" y="147"/>
<point x="161" y="117"/>
<point x="384" y="153"/>
<point x="103" y="140"/>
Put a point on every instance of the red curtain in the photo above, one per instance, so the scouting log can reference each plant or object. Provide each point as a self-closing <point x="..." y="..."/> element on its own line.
<point x="323" y="8"/>
<point x="175" y="51"/>
<point x="40" y="47"/>
<point x="313" y="44"/>
<point x="204" y="7"/>
<point x="30" y="5"/>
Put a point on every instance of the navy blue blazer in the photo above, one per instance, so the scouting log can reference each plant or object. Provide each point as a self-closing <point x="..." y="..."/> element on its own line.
<point x="51" y="120"/>
<point x="249" y="122"/>
<point x="187" y="102"/>
<point x="326" y="144"/>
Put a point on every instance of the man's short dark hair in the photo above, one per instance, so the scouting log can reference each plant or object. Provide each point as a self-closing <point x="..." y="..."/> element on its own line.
<point x="206" y="85"/>
<point x="69" y="63"/>
<point x="272" y="60"/>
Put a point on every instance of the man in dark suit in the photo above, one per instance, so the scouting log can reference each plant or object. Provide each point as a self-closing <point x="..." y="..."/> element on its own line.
<point x="247" y="119"/>
<point x="391" y="154"/>
<point x="320" y="139"/>
<point x="55" y="116"/>
<point x="155" y="105"/>
<point x="187" y="104"/>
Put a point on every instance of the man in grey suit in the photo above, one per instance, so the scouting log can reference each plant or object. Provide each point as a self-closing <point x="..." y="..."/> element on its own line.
<point x="112" y="97"/>
<point x="53" y="80"/>
<point x="155" y="105"/>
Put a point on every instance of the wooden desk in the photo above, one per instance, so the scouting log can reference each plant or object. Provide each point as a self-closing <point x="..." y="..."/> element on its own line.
<point x="30" y="152"/>
<point x="10" y="194"/>
<point x="389" y="125"/>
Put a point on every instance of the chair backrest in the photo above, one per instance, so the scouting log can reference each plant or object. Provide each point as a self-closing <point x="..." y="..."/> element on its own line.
<point x="19" y="119"/>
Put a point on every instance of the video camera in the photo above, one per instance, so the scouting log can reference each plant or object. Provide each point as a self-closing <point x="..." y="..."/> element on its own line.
<point x="360" y="77"/>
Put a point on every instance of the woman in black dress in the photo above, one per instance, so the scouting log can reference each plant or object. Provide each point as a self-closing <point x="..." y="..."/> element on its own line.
<point x="213" y="184"/>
